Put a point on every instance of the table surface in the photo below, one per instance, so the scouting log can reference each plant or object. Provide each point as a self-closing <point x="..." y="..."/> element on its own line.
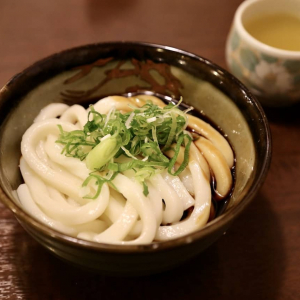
<point x="258" y="258"/>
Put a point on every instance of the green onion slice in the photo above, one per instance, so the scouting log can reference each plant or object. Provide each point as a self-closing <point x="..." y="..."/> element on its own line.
<point x="141" y="135"/>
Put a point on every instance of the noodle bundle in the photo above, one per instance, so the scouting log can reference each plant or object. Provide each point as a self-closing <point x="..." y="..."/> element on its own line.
<point x="89" y="176"/>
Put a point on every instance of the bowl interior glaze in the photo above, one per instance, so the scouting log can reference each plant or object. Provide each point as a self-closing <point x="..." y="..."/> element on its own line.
<point x="85" y="74"/>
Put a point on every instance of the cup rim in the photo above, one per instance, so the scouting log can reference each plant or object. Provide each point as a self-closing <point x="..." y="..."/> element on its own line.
<point x="281" y="53"/>
<point x="216" y="224"/>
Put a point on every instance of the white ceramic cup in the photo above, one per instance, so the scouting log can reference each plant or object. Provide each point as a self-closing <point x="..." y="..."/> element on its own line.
<point x="270" y="73"/>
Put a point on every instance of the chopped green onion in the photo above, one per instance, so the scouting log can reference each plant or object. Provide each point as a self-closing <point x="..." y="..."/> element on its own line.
<point x="102" y="153"/>
<point x="186" y="155"/>
<point x="141" y="135"/>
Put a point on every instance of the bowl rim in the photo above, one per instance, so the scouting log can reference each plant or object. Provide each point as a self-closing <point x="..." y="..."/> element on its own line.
<point x="224" y="219"/>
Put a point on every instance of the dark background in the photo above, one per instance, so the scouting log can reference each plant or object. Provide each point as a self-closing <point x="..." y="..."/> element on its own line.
<point x="258" y="258"/>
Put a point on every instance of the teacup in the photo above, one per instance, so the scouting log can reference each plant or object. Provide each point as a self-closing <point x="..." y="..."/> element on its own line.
<point x="272" y="74"/>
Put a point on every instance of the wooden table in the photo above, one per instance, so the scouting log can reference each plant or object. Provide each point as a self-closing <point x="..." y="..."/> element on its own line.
<point x="258" y="258"/>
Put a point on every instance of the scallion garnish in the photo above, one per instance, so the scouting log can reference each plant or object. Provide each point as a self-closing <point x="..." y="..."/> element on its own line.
<point x="143" y="135"/>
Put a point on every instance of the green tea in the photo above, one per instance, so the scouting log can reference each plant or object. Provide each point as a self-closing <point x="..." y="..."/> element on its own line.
<point x="280" y="30"/>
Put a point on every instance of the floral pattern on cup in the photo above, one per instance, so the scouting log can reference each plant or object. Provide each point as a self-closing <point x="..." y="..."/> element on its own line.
<point x="271" y="77"/>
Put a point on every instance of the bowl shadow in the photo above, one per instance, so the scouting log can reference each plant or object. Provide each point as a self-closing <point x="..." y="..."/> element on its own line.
<point x="284" y="115"/>
<point x="246" y="263"/>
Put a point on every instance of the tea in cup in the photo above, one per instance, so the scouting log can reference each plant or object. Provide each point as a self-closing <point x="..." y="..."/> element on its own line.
<point x="263" y="49"/>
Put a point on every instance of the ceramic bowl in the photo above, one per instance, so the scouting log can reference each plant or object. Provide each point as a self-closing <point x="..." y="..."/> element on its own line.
<point x="270" y="73"/>
<point x="85" y="74"/>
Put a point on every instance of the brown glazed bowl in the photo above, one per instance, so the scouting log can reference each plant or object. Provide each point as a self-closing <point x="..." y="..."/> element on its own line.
<point x="83" y="75"/>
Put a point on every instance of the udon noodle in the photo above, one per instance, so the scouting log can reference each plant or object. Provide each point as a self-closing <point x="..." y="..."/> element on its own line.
<point x="122" y="212"/>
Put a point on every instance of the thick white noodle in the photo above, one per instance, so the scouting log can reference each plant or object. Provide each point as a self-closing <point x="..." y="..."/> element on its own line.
<point x="51" y="111"/>
<point x="173" y="208"/>
<point x="53" y="191"/>
<point x="76" y="114"/>
<point x="114" y="209"/>
<point x="214" y="136"/>
<point x="71" y="164"/>
<point x="32" y="208"/>
<point x="62" y="180"/>
<point x="187" y="180"/>
<point x="104" y="105"/>
<point x="118" y="231"/>
<point x="157" y="206"/>
<point x="200" y="214"/>
<point x="62" y="210"/>
<point x="133" y="193"/>
<point x="218" y="164"/>
<point x="179" y="188"/>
